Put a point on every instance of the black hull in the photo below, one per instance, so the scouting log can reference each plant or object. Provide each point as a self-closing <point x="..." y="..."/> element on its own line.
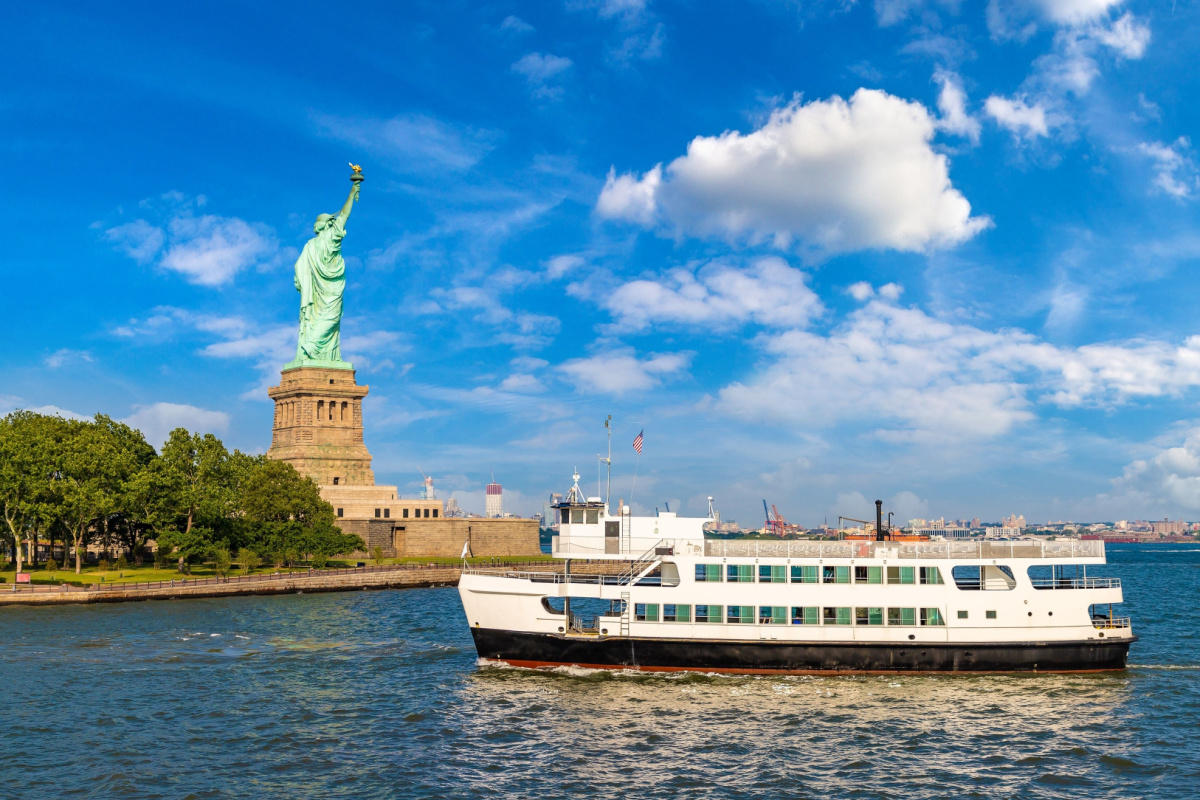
<point x="802" y="658"/>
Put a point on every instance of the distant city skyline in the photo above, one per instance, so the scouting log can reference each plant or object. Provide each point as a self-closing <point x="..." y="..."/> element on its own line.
<point x="938" y="254"/>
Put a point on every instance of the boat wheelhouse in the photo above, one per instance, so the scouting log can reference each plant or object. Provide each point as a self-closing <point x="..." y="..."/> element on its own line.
<point x="656" y="595"/>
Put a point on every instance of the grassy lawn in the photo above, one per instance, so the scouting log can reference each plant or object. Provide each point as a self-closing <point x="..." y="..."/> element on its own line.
<point x="132" y="574"/>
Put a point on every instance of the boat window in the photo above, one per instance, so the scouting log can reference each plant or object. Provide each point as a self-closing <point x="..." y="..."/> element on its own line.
<point x="645" y="612"/>
<point x="962" y="614"/>
<point x="988" y="577"/>
<point x="836" y="616"/>
<point x="739" y="615"/>
<point x="966" y="577"/>
<point x="1058" y="576"/>
<point x="806" y="615"/>
<point x="868" y="574"/>
<point x="991" y="615"/>
<point x="739" y="573"/>
<point x="771" y="574"/>
<point x="772" y="615"/>
<point x="837" y="575"/>
<point x="804" y="574"/>
<point x="677" y="613"/>
<point x="868" y="616"/>
<point x="553" y="604"/>
<point x="576" y="516"/>
<point x="932" y="616"/>
<point x="593" y="516"/>
<point x="901" y="574"/>
<point x="902" y="616"/>
<point x="708" y="613"/>
<point x="708" y="572"/>
<point x="931" y="576"/>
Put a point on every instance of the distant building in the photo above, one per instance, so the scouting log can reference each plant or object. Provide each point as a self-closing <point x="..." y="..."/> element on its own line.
<point x="495" y="501"/>
<point x="1167" y="527"/>
<point x="939" y="528"/>
<point x="1014" y="522"/>
<point x="1003" y="532"/>
<point x="549" y="512"/>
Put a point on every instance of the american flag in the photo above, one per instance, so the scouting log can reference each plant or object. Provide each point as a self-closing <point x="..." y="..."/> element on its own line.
<point x="637" y="443"/>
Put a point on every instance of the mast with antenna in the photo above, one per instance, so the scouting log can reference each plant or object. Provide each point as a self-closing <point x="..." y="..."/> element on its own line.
<point x="607" y="461"/>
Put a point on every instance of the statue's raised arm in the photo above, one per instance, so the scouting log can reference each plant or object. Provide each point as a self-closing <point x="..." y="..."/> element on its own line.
<point x="345" y="212"/>
<point x="321" y="281"/>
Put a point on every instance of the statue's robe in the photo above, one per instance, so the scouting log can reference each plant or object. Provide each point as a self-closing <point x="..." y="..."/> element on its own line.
<point x="321" y="280"/>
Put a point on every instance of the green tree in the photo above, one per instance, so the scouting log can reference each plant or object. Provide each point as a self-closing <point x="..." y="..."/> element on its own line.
<point x="221" y="561"/>
<point x="249" y="560"/>
<point x="97" y="460"/>
<point x="27" y="464"/>
<point x="287" y="515"/>
<point x="197" y="468"/>
<point x="152" y="498"/>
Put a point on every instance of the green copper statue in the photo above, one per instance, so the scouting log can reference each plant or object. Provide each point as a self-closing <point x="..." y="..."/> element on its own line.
<point x="321" y="280"/>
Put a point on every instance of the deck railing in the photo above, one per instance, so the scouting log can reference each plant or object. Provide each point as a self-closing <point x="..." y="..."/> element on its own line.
<point x="1076" y="583"/>
<point x="1014" y="548"/>
<point x="1105" y="623"/>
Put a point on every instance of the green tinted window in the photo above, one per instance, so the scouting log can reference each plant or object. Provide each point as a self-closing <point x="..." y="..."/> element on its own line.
<point x="931" y="575"/>
<point x="901" y="574"/>
<point x="902" y="616"/>
<point x="739" y="573"/>
<point x="932" y="616"/>
<point x="677" y="613"/>
<point x="708" y="572"/>
<point x="837" y="616"/>
<point x="806" y="615"/>
<point x="868" y="616"/>
<point x="771" y="574"/>
<point x="837" y="575"/>
<point x="868" y="574"/>
<point x="736" y="615"/>
<point x="708" y="613"/>
<point x="804" y="574"/>
<point x="645" y="612"/>
<point x="772" y="615"/>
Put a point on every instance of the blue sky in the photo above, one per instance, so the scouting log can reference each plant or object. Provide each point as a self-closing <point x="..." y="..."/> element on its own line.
<point x="939" y="253"/>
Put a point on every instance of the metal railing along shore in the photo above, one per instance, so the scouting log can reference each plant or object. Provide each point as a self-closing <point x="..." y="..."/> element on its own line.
<point x="242" y="579"/>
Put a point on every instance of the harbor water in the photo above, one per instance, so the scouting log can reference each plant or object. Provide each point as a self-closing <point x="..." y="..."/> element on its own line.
<point x="379" y="695"/>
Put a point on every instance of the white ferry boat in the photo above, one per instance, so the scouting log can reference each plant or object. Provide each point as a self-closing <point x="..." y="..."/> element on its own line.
<point x="672" y="600"/>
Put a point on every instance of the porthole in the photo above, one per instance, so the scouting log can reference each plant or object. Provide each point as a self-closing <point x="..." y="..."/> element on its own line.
<point x="604" y="631"/>
<point x="560" y="630"/>
<point x="1031" y="613"/>
<point x="1050" y="613"/>
<point x="912" y="636"/>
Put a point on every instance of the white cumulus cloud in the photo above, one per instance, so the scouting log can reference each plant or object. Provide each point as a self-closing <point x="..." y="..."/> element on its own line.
<point x="838" y="175"/>
<point x="952" y="103"/>
<point x="207" y="250"/>
<point x="919" y="378"/>
<point x="1127" y="36"/>
<point x="540" y="71"/>
<point x="1175" y="172"/>
<point x="619" y="372"/>
<point x="768" y="292"/>
<point x="156" y="421"/>
<point x="1016" y="116"/>
<point x="211" y="250"/>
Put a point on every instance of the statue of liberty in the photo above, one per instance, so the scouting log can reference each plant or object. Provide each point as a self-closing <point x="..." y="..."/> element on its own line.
<point x="321" y="281"/>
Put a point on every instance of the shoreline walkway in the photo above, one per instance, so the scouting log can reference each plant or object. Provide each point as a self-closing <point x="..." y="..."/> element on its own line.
<point x="388" y="576"/>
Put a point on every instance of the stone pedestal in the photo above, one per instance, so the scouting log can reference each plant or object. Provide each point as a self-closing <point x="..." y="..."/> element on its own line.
<point x="319" y="426"/>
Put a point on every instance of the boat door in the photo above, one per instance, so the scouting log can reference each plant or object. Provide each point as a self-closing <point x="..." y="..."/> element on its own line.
<point x="612" y="536"/>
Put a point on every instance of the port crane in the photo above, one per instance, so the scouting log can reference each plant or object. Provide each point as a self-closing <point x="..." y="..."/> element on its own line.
<point x="776" y="524"/>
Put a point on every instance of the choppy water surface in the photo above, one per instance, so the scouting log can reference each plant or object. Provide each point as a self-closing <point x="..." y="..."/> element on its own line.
<point x="378" y="694"/>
